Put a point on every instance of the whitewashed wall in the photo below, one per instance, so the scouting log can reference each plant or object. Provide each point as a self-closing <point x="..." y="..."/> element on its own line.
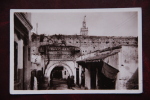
<point x="128" y="65"/>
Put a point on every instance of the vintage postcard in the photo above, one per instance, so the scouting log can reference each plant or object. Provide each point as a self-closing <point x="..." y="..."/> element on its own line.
<point x="76" y="51"/>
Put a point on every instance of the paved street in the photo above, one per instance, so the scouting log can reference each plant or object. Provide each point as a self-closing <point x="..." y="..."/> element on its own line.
<point x="59" y="84"/>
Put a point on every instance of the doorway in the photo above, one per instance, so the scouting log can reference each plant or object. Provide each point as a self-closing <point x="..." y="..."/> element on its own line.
<point x="106" y="76"/>
<point x="57" y="72"/>
<point x="93" y="78"/>
<point x="58" y="78"/>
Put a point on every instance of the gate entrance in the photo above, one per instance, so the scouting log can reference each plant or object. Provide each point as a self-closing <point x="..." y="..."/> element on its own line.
<point x="59" y="77"/>
<point x="57" y="72"/>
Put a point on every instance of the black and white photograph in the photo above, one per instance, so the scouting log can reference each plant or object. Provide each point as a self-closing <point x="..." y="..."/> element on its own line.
<point x="72" y="51"/>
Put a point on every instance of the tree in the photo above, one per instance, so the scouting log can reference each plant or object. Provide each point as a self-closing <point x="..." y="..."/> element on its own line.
<point x="48" y="61"/>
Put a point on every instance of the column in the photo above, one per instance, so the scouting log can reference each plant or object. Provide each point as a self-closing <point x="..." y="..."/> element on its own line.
<point x="80" y="70"/>
<point x="20" y="63"/>
<point x="119" y="82"/>
<point x="87" y="79"/>
<point x="96" y="78"/>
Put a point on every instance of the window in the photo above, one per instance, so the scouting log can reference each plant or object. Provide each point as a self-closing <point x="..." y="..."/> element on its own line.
<point x="107" y="42"/>
<point x="29" y="53"/>
<point x="65" y="72"/>
<point x="15" y="61"/>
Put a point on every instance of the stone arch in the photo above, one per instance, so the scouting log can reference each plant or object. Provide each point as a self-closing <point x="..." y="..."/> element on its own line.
<point x="51" y="67"/>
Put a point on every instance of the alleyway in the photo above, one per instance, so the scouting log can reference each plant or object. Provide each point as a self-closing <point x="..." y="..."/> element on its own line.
<point x="60" y="84"/>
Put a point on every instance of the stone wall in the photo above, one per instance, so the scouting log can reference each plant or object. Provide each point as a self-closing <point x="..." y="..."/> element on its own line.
<point x="87" y="44"/>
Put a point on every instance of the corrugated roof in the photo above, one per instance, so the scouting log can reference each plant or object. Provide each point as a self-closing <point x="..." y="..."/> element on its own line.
<point x="101" y="56"/>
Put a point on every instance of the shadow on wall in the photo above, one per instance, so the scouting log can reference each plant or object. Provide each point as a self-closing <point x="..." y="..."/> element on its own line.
<point x="133" y="81"/>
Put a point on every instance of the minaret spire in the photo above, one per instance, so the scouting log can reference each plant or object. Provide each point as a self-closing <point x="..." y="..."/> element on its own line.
<point x="84" y="18"/>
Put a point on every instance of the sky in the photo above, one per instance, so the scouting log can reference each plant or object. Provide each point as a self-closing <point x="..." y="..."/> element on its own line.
<point x="98" y="23"/>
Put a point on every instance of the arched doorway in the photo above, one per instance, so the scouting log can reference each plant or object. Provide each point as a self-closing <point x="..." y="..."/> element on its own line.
<point x="59" y="68"/>
<point x="59" y="72"/>
<point x="57" y="75"/>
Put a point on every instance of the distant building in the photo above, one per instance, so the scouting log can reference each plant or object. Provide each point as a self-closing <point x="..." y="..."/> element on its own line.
<point x="84" y="29"/>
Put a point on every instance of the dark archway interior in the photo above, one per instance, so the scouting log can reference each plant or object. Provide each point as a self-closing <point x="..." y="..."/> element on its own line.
<point x="58" y="78"/>
<point x="57" y="72"/>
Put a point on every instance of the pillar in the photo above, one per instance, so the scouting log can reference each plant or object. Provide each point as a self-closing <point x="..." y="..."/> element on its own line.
<point x="87" y="78"/>
<point x="119" y="83"/>
<point x="20" y="63"/>
<point x="96" y="78"/>
<point x="80" y="70"/>
<point x="26" y="69"/>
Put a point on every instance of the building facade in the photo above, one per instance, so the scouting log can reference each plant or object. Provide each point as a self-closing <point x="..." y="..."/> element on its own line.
<point x="111" y="68"/>
<point x="22" y="32"/>
<point x="87" y="57"/>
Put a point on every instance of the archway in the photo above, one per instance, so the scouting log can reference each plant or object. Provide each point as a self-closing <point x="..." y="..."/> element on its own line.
<point x="51" y="67"/>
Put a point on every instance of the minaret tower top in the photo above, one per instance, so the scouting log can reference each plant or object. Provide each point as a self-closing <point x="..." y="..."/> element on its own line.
<point x="84" y="29"/>
<point x="84" y="23"/>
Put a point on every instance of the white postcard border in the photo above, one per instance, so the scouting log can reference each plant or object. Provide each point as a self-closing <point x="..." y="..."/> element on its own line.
<point x="140" y="90"/>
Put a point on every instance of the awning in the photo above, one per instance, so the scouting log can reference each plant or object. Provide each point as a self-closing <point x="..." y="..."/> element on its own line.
<point x="96" y="58"/>
<point x="109" y="71"/>
<point x="101" y="54"/>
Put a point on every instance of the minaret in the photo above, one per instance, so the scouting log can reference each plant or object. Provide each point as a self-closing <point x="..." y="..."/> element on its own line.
<point x="84" y="29"/>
